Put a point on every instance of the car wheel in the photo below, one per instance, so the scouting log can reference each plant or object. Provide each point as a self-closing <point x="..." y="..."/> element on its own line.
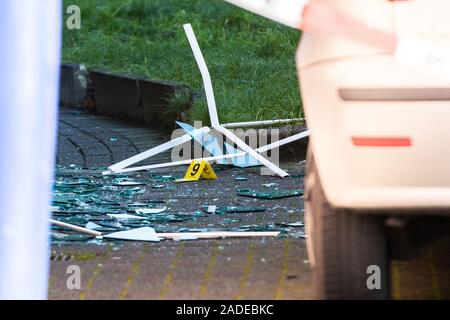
<point x="347" y="250"/>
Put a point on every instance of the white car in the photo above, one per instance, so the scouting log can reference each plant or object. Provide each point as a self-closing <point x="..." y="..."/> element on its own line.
<point x="379" y="148"/>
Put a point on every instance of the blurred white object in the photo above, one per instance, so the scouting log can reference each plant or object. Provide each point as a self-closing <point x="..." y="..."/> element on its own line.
<point x="287" y="12"/>
<point x="424" y="36"/>
<point x="29" y="63"/>
<point x="424" y="55"/>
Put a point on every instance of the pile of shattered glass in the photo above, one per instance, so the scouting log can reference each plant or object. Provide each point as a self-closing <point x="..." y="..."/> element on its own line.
<point x="114" y="203"/>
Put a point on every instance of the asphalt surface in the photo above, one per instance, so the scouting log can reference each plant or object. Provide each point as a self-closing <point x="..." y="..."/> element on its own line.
<point x="269" y="268"/>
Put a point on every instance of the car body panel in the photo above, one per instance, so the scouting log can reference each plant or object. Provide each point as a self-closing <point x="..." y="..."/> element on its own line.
<point x="366" y="94"/>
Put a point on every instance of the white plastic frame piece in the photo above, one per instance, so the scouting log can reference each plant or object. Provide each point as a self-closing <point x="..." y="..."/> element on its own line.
<point x="262" y="149"/>
<point x="75" y="228"/>
<point x="242" y="145"/>
<point x="213" y="109"/>
<point x="149" y="234"/>
<point x="218" y="234"/>
<point x="154" y="151"/>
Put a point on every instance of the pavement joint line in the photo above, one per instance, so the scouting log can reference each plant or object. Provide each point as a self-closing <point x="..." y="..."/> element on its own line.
<point x="433" y="271"/>
<point x="209" y="269"/>
<point x="95" y="273"/>
<point x="284" y="271"/>
<point x="246" y="272"/>
<point x="89" y="134"/>
<point x="172" y="268"/>
<point x="135" y="269"/>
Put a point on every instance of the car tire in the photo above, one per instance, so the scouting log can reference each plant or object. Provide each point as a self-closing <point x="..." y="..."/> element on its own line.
<point x="347" y="250"/>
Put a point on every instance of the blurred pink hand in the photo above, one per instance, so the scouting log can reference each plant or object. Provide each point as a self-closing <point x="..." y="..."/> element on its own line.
<point x="321" y="18"/>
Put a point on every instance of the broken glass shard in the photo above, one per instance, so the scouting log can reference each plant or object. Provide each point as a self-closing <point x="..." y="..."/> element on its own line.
<point x="232" y="209"/>
<point x="298" y="235"/>
<point x="296" y="224"/>
<point x="255" y="227"/>
<point x="136" y="205"/>
<point x="185" y="238"/>
<point x="269" y="195"/>
<point x="269" y="185"/>
<point x="198" y="214"/>
<point x="127" y="182"/>
<point x="110" y="224"/>
<point x="210" y="209"/>
<point x="124" y="216"/>
<point x="150" y="210"/>
<point x="163" y="178"/>
<point x="92" y="226"/>
<point x="131" y="192"/>
<point x="288" y="224"/>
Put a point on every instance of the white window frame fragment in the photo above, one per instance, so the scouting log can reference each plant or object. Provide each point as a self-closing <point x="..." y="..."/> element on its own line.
<point x="122" y="167"/>
<point x="149" y="234"/>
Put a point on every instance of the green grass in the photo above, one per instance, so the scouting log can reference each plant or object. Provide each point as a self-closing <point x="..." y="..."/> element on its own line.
<point x="251" y="59"/>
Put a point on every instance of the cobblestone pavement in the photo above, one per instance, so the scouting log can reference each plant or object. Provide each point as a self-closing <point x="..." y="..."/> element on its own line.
<point x="203" y="269"/>
<point x="95" y="141"/>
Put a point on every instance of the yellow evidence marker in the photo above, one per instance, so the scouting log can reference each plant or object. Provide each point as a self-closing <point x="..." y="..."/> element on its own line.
<point x="199" y="169"/>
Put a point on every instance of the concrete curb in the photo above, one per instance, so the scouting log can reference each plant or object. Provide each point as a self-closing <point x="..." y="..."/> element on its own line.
<point x="116" y="95"/>
<point x="119" y="95"/>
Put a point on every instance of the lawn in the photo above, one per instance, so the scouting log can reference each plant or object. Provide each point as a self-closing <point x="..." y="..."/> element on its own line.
<point x="251" y="59"/>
